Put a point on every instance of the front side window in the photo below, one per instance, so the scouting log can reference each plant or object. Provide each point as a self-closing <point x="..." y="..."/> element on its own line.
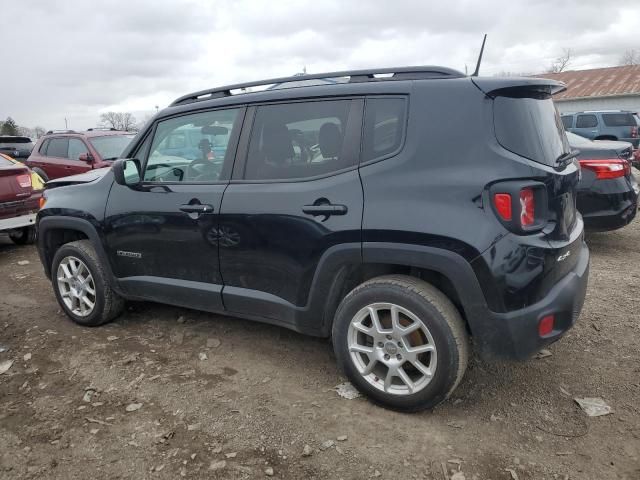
<point x="567" y="121"/>
<point x="298" y="140"/>
<point x="192" y="148"/>
<point x="586" y="121"/>
<point x="76" y="148"/>
<point x="384" y="123"/>
<point x="58" y="147"/>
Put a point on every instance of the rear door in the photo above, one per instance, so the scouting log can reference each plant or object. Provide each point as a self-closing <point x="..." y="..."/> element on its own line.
<point x="295" y="194"/>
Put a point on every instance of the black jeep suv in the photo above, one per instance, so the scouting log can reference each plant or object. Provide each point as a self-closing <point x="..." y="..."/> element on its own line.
<point x="403" y="215"/>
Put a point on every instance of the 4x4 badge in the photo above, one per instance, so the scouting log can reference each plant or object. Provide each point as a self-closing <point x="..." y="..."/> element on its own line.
<point x="122" y="253"/>
<point x="564" y="256"/>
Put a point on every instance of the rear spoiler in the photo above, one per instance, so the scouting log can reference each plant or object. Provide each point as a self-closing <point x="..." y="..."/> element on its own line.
<point x="493" y="86"/>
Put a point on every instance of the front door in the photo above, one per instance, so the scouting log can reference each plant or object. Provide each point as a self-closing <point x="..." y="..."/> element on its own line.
<point x="294" y="195"/>
<point x="163" y="236"/>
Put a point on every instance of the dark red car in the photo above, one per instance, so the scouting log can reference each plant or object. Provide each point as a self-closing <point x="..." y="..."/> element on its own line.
<point x="64" y="153"/>
<point x="19" y="202"/>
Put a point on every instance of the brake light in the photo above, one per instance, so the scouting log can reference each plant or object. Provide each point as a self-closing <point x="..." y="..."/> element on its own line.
<point x="502" y="202"/>
<point x="607" y="168"/>
<point x="527" y="207"/>
<point x="24" y="180"/>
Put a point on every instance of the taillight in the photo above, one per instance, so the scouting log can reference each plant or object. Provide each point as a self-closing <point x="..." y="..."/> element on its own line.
<point x="520" y="205"/>
<point x="502" y="202"/>
<point x="607" y="168"/>
<point x="24" y="180"/>
<point x="527" y="207"/>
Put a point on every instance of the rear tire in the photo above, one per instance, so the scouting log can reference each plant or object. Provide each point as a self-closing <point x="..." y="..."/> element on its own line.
<point x="420" y="341"/>
<point x="23" y="236"/>
<point x="81" y="285"/>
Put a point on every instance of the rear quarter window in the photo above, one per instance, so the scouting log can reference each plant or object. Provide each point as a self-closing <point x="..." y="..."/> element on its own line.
<point x="618" y="119"/>
<point x="384" y="125"/>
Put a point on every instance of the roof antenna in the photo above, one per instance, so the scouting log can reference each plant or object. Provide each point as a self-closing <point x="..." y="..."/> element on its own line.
<point x="475" y="73"/>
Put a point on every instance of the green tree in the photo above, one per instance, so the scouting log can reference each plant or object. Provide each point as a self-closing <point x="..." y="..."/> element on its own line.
<point x="9" y="127"/>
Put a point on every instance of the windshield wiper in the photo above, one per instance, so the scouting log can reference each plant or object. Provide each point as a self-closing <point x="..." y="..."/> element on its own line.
<point x="564" y="159"/>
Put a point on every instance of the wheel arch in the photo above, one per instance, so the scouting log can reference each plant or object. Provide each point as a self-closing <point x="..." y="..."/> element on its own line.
<point x="448" y="271"/>
<point x="53" y="232"/>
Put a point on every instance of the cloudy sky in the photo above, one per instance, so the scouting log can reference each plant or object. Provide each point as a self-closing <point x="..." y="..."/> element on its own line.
<point x="77" y="59"/>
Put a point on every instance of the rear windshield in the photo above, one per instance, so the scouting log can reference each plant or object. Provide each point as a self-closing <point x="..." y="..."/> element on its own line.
<point x="619" y="119"/>
<point x="16" y="142"/>
<point x="530" y="127"/>
<point x="110" y="147"/>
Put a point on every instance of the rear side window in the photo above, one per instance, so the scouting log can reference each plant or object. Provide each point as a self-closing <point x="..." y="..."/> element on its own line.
<point x="530" y="127"/>
<point x="567" y="121"/>
<point x="384" y="124"/>
<point x="586" y="121"/>
<point x="58" y="147"/>
<point x="298" y="140"/>
<point x="618" y="119"/>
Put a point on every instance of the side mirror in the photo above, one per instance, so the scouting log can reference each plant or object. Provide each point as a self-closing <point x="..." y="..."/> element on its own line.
<point x="86" y="157"/>
<point x="127" y="172"/>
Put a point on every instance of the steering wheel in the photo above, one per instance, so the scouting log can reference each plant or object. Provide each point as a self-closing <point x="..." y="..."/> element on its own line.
<point x="195" y="174"/>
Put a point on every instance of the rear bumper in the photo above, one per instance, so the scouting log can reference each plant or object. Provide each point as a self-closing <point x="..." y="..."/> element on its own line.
<point x="611" y="205"/>
<point x="515" y="335"/>
<point x="17" y="222"/>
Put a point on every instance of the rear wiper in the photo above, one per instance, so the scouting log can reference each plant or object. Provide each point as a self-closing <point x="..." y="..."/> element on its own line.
<point x="564" y="159"/>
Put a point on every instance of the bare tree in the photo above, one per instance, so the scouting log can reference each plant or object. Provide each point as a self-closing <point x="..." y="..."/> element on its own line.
<point x="561" y="63"/>
<point x="630" y="57"/>
<point x="119" y="120"/>
<point x="39" y="131"/>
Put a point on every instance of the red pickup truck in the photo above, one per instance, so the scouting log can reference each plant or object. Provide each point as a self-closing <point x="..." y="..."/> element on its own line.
<point x="19" y="202"/>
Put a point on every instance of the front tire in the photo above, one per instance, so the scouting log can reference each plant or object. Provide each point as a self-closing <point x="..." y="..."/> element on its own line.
<point x="81" y="285"/>
<point x="401" y="342"/>
<point x="23" y="236"/>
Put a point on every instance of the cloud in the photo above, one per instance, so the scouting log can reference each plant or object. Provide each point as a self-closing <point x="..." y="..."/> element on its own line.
<point x="76" y="59"/>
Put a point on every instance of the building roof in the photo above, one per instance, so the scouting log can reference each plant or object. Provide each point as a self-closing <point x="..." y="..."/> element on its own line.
<point x="598" y="82"/>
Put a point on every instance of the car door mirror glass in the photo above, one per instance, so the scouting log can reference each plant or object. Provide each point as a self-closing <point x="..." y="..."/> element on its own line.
<point x="127" y="172"/>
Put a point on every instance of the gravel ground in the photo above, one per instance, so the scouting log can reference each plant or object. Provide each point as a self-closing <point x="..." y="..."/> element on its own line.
<point x="168" y="393"/>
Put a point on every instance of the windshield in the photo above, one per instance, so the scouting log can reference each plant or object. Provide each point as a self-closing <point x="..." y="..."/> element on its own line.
<point x="529" y="125"/>
<point x="110" y="147"/>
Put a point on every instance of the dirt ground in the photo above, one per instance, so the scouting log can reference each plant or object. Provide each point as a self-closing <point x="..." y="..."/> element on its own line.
<point x="220" y="397"/>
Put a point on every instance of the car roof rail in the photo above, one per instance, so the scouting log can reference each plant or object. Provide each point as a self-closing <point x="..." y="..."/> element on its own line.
<point x="107" y="129"/>
<point x="354" y="76"/>
<point x="60" y="131"/>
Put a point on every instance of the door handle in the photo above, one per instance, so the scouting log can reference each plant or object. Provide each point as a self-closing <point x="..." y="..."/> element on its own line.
<point x="197" y="208"/>
<point x="324" y="209"/>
